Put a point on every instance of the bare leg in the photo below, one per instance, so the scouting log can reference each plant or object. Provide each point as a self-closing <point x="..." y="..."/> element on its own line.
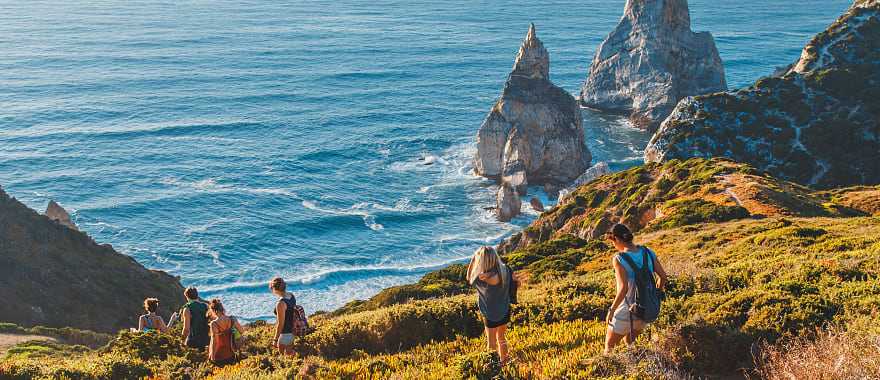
<point x="611" y="339"/>
<point x="501" y="332"/>
<point x="490" y="334"/>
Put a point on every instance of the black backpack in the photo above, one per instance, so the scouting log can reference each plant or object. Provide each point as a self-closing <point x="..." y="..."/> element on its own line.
<point x="648" y="297"/>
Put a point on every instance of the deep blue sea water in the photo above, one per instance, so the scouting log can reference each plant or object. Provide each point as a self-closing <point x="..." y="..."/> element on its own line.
<point x="228" y="142"/>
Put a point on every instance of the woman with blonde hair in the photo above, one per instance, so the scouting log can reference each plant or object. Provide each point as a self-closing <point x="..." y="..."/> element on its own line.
<point x="492" y="278"/>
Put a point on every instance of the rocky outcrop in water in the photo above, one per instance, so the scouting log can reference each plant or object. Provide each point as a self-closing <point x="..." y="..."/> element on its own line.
<point x="534" y="132"/>
<point x="650" y="61"/>
<point x="507" y="203"/>
<point x="57" y="213"/>
<point x="56" y="276"/>
<point x="817" y="124"/>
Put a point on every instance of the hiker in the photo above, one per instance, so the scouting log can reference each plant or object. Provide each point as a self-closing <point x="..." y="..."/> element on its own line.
<point x="631" y="312"/>
<point x="221" y="350"/>
<point x="285" y="316"/>
<point x="151" y="321"/>
<point x="194" y="316"/>
<point x="493" y="280"/>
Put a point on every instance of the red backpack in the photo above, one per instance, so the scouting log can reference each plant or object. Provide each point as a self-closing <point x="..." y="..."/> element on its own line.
<point x="300" y="321"/>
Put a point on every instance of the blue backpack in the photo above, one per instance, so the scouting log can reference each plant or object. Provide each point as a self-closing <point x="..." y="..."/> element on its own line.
<point x="648" y="297"/>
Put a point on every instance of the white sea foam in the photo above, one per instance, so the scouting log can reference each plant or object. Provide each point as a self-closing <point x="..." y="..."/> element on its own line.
<point x="322" y="275"/>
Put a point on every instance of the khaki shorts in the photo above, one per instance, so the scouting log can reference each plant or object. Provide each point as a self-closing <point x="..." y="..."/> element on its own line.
<point x="285" y="339"/>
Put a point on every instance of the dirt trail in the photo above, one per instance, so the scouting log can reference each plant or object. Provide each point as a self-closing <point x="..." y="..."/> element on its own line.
<point x="9" y="340"/>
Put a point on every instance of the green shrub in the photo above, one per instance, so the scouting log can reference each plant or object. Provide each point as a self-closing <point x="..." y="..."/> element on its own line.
<point x="694" y="211"/>
<point x="147" y="345"/>
<point x="479" y="365"/>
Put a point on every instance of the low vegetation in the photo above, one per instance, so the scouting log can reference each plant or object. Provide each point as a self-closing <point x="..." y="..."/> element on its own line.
<point x="736" y="286"/>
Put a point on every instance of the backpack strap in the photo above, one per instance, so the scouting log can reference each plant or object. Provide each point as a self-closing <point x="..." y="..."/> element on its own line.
<point x="629" y="262"/>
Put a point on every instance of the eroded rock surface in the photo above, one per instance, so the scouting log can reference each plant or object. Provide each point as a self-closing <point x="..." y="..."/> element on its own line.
<point x="507" y="203"/>
<point x="57" y="213"/>
<point x="817" y="124"/>
<point x="650" y="61"/>
<point x="534" y="133"/>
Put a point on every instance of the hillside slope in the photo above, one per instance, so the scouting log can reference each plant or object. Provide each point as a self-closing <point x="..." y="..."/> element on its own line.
<point x="739" y="287"/>
<point x="55" y="276"/>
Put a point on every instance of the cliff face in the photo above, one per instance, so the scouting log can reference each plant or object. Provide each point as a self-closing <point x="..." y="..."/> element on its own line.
<point x="55" y="276"/>
<point x="652" y="60"/>
<point x="534" y="132"/>
<point x="817" y="124"/>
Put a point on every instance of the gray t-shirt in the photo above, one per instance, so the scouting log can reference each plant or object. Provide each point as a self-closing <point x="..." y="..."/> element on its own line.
<point x="493" y="300"/>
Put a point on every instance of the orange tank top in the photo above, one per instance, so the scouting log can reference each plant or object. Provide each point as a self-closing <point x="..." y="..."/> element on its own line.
<point x="222" y="347"/>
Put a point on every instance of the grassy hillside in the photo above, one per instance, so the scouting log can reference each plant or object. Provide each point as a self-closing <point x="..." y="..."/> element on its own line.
<point x="754" y="286"/>
<point x="55" y="276"/>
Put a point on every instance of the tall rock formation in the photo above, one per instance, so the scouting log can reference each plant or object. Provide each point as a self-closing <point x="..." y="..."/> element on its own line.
<point x="55" y="276"/>
<point x="57" y="213"/>
<point x="534" y="132"/>
<point x="650" y="61"/>
<point x="507" y="203"/>
<point x="816" y="124"/>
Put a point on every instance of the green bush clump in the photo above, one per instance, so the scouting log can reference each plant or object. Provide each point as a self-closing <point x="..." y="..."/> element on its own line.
<point x="694" y="211"/>
<point x="395" y="328"/>
<point x="521" y="258"/>
<point x="440" y="283"/>
<point x="66" y="334"/>
<point x="479" y="365"/>
<point x="147" y="345"/>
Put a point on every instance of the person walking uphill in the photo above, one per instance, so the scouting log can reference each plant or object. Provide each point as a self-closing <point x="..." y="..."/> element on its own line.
<point x="195" y="320"/>
<point x="638" y="296"/>
<point x="493" y="279"/>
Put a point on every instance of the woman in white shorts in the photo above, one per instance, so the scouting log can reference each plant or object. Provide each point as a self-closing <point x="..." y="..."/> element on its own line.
<point x="284" y="310"/>
<point x="620" y="322"/>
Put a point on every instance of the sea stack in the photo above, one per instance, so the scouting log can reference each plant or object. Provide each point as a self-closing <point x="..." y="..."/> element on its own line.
<point x="57" y="213"/>
<point x="650" y="61"/>
<point x="815" y="124"/>
<point x="534" y="133"/>
<point x="507" y="203"/>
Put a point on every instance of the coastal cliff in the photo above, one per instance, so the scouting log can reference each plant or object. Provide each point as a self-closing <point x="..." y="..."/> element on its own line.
<point x="816" y="124"/>
<point x="650" y="61"/>
<point x="534" y="132"/>
<point x="53" y="275"/>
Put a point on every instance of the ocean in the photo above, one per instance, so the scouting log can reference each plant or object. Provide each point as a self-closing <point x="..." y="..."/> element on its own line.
<point x="327" y="142"/>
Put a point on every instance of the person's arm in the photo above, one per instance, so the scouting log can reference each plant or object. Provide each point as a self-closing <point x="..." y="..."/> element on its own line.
<point x="161" y="324"/>
<point x="658" y="268"/>
<point x="238" y="325"/>
<point x="622" y="288"/>
<point x="141" y="323"/>
<point x="490" y="278"/>
<point x="186" y="319"/>
<point x="280" y="309"/>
